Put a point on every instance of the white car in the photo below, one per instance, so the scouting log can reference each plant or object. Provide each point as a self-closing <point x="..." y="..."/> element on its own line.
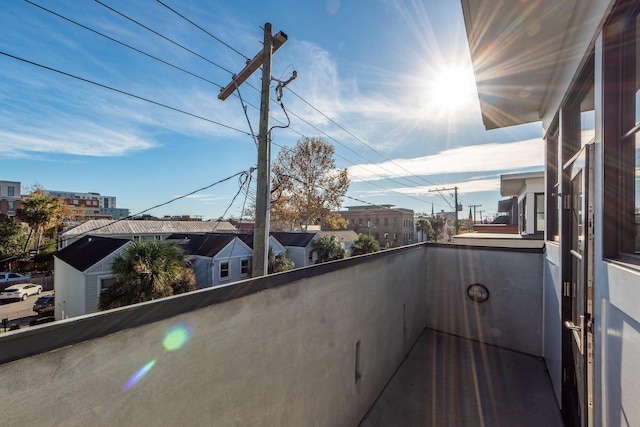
<point x="7" y="277"/>
<point x="20" y="291"/>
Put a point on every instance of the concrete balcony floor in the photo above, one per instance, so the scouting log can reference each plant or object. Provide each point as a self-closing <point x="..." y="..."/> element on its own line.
<point x="451" y="381"/>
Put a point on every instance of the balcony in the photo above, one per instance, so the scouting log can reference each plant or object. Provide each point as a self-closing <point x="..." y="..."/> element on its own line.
<point x="392" y="338"/>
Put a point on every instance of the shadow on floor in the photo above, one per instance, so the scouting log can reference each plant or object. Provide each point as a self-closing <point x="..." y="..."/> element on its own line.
<point x="451" y="381"/>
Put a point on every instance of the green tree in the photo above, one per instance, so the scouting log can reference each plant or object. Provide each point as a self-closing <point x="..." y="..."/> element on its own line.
<point x="306" y="184"/>
<point x="423" y="226"/>
<point x="435" y="232"/>
<point x="42" y="213"/>
<point x="145" y="271"/>
<point x="365" y="244"/>
<point x="328" y="248"/>
<point x="12" y="238"/>
<point x="279" y="263"/>
<point x="334" y="221"/>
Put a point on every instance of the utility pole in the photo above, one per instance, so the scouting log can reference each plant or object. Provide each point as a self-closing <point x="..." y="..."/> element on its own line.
<point x="457" y="207"/>
<point x="261" y="228"/>
<point x="474" y="211"/>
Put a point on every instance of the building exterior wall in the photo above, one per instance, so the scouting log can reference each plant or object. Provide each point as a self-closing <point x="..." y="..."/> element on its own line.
<point x="70" y="290"/>
<point x="10" y="197"/>
<point x="511" y="318"/>
<point x="391" y="227"/>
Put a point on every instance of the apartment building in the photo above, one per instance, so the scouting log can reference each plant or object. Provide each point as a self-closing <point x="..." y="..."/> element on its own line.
<point x="9" y="197"/>
<point x="390" y="226"/>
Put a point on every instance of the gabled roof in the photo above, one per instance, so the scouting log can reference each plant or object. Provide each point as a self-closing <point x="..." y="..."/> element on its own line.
<point x="209" y="245"/>
<point x="294" y="239"/>
<point x="89" y="250"/>
<point x="138" y="227"/>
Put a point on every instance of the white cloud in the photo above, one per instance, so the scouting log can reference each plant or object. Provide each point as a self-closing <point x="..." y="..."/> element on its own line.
<point x="473" y="158"/>
<point x="91" y="141"/>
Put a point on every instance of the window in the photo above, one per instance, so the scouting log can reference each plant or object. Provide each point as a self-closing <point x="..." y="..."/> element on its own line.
<point x="539" y="209"/>
<point x="106" y="282"/>
<point x="552" y="188"/>
<point x="157" y="237"/>
<point x="244" y="267"/>
<point x="523" y="215"/>
<point x="386" y="222"/>
<point x="136" y="238"/>
<point x="224" y="270"/>
<point x="10" y="205"/>
<point x="621" y="133"/>
<point x="11" y="192"/>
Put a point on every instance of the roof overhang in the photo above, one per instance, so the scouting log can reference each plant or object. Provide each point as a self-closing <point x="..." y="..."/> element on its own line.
<point x="516" y="48"/>
<point x="513" y="184"/>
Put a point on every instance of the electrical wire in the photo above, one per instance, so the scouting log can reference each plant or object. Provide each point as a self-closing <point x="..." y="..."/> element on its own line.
<point x="122" y="92"/>
<point x="164" y="37"/>
<point x="123" y="44"/>
<point x="219" y="86"/>
<point x="204" y="31"/>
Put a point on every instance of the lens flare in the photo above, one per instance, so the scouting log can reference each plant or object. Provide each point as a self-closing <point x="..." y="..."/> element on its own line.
<point x="176" y="338"/>
<point x="139" y="375"/>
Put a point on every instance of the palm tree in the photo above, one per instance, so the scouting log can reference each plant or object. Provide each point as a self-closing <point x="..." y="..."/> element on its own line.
<point x="364" y="245"/>
<point x="423" y="225"/>
<point x="147" y="271"/>
<point x="328" y="249"/>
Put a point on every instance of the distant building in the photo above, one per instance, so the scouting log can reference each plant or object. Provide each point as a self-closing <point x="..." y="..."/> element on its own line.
<point x="86" y="206"/>
<point x="10" y="197"/>
<point x="527" y="192"/>
<point x="388" y="225"/>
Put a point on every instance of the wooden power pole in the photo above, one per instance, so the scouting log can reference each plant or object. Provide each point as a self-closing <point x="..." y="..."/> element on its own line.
<point x="457" y="207"/>
<point x="263" y="191"/>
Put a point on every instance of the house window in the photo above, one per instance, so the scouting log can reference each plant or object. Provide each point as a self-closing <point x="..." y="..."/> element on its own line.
<point x="244" y="267"/>
<point x="539" y="208"/>
<point x="224" y="270"/>
<point x="136" y="238"/>
<point x="621" y="133"/>
<point x="10" y="205"/>
<point x="386" y="222"/>
<point x="11" y="192"/>
<point x="106" y="282"/>
<point x="157" y="237"/>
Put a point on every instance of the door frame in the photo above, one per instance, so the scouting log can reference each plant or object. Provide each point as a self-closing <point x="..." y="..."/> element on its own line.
<point x="578" y="411"/>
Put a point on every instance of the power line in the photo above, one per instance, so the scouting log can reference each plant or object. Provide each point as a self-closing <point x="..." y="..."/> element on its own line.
<point x="204" y="31"/>
<point x="122" y="92"/>
<point x="123" y="44"/>
<point x="164" y="37"/>
<point x="211" y="82"/>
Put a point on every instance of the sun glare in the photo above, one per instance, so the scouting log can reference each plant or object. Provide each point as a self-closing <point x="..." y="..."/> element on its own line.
<point x="451" y="89"/>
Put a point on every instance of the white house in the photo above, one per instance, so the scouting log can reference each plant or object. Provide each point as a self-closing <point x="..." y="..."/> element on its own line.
<point x="528" y="188"/>
<point x="81" y="271"/>
<point x="573" y="65"/>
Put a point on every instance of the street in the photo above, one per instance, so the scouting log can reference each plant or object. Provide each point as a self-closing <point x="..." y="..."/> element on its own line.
<point x="20" y="312"/>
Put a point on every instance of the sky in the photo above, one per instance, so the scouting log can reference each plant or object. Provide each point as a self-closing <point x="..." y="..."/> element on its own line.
<point x="121" y="98"/>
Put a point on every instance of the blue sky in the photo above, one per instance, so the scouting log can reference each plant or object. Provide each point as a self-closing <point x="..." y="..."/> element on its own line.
<point x="394" y="77"/>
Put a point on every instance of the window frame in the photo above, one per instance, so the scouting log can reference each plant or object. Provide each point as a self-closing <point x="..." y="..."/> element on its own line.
<point x="222" y="269"/>
<point x="619" y="128"/>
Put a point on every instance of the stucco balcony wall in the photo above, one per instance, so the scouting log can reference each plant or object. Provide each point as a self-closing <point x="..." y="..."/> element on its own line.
<point x="315" y="346"/>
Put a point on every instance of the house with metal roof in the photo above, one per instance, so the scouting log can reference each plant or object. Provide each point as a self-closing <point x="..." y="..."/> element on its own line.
<point x="140" y="230"/>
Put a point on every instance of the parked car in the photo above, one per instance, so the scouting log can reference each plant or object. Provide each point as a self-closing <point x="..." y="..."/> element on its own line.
<point x="8" y="277"/>
<point x="19" y="291"/>
<point x="43" y="302"/>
